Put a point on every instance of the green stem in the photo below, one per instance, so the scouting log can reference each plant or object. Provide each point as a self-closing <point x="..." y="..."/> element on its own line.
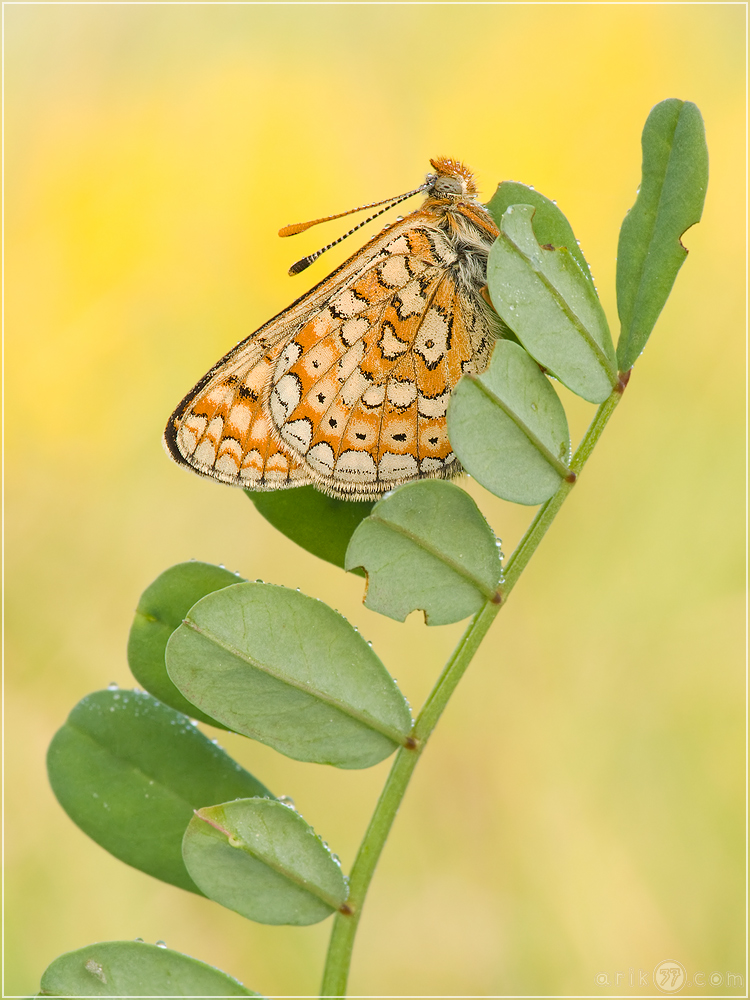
<point x="340" y="948"/>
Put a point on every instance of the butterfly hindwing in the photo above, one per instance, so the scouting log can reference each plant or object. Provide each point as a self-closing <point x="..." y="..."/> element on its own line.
<point x="361" y="392"/>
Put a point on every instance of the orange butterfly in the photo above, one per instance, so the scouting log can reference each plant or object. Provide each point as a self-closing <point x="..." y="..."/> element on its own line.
<point x="347" y="388"/>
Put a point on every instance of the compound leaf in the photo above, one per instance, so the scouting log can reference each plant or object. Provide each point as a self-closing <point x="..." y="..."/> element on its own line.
<point x="261" y="859"/>
<point x="289" y="671"/>
<point x="427" y="547"/>
<point x="135" y="969"/>
<point x="670" y="201"/>
<point x="508" y="428"/>
<point x="160" y="610"/>
<point x="129" y="771"/>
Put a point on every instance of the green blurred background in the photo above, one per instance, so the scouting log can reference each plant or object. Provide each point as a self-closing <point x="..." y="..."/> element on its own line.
<point x="579" y="811"/>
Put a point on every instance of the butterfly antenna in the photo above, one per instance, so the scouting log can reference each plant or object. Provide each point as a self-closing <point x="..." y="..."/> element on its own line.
<point x="305" y="262"/>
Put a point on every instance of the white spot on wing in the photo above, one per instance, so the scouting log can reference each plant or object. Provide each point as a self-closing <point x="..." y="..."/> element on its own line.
<point x="402" y="393"/>
<point x="394" y="272"/>
<point x="297" y="433"/>
<point x="393" y="466"/>
<point x="320" y="458"/>
<point x="435" y="406"/>
<point x="347" y="304"/>
<point x="227" y="464"/>
<point x="350" y="361"/>
<point x="356" y="466"/>
<point x="354" y="329"/>
<point x="205" y="455"/>
<point x="431" y="341"/>
<point x="390" y="345"/>
<point x="374" y="395"/>
<point x="284" y="398"/>
<point x="353" y="388"/>
<point x="239" y="418"/>
<point x="289" y="356"/>
<point x="412" y="299"/>
<point x="215" y="429"/>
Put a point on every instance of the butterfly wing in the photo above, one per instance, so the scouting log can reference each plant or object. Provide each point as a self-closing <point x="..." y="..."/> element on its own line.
<point x="360" y="392"/>
<point x="221" y="428"/>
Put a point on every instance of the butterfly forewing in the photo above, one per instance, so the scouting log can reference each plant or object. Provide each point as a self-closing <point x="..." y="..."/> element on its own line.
<point x="222" y="429"/>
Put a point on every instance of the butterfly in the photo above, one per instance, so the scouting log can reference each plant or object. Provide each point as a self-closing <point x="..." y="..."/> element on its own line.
<point x="347" y="389"/>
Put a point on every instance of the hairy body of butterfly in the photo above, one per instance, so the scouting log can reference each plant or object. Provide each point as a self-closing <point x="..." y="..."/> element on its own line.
<point x="348" y="387"/>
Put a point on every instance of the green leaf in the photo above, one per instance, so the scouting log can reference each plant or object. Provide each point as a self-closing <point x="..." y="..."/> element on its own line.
<point x="670" y="201"/>
<point x="135" y="969"/>
<point x="160" y="610"/>
<point x="261" y="859"/>
<point x="508" y="428"/>
<point x="129" y="771"/>
<point x="545" y="298"/>
<point x="427" y="547"/>
<point x="318" y="523"/>
<point x="289" y="671"/>
<point x="549" y="224"/>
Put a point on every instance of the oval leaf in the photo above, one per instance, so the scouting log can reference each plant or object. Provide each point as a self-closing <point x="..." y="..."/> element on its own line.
<point x="427" y="547"/>
<point x="321" y="524"/>
<point x="508" y="428"/>
<point x="261" y="859"/>
<point x="670" y="201"/>
<point x="549" y="223"/>
<point x="129" y="771"/>
<point x="160" y="610"/>
<point x="544" y="297"/>
<point x="289" y="671"/>
<point x="135" y="969"/>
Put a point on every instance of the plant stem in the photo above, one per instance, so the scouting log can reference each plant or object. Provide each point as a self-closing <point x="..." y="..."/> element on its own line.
<point x="345" y="924"/>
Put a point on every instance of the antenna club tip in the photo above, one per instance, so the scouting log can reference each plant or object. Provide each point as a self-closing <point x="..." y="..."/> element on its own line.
<point x="299" y="266"/>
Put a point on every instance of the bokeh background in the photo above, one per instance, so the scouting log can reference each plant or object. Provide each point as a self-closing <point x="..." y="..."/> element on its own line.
<point x="579" y="811"/>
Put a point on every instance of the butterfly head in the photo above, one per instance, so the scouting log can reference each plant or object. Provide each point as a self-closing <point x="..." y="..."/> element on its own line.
<point x="452" y="179"/>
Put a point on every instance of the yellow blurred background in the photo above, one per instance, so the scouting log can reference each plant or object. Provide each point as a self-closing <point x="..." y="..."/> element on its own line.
<point x="579" y="811"/>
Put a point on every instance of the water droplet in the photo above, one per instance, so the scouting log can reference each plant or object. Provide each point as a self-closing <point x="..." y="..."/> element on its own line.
<point x="298" y="590"/>
<point x="534" y="406"/>
<point x="369" y="643"/>
<point x="554" y="201"/>
<point x="138" y="940"/>
<point x="222" y="566"/>
<point x="287" y="800"/>
<point x="399" y="218"/>
<point x="112" y="686"/>
<point x="235" y="842"/>
<point x="161" y="944"/>
<point x="193" y="722"/>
